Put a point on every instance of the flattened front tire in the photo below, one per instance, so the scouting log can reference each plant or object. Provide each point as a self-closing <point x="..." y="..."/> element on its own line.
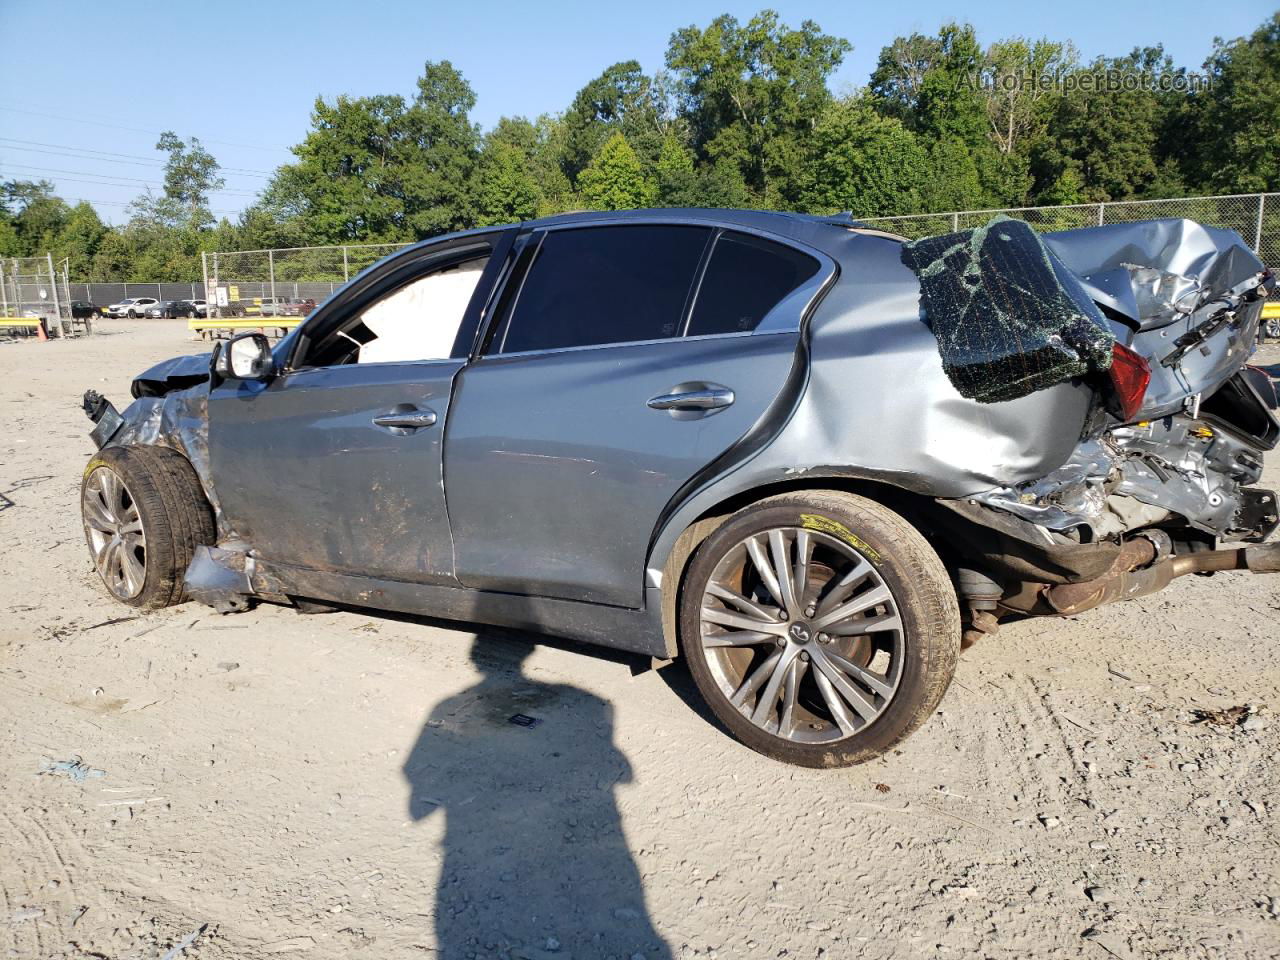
<point x="820" y="627"/>
<point x="144" y="514"/>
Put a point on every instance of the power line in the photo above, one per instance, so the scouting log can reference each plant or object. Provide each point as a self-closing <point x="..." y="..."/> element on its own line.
<point x="86" y="153"/>
<point x="118" y="126"/>
<point x="57" y="175"/>
<point x="122" y="203"/>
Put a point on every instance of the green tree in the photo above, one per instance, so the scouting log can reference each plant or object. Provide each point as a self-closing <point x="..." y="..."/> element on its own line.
<point x="190" y="175"/>
<point x="38" y="215"/>
<point x="677" y="183"/>
<point x="1110" y="137"/>
<point x="615" y="180"/>
<point x="864" y="162"/>
<point x="506" y="190"/>
<point x="752" y="93"/>
<point x="1236" y="141"/>
<point x="79" y="238"/>
<point x="383" y="169"/>
<point x="541" y="144"/>
<point x="898" y="78"/>
<point x="959" y="101"/>
<point x="623" y="99"/>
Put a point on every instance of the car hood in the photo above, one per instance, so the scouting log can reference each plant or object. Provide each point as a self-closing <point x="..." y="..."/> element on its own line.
<point x="176" y="373"/>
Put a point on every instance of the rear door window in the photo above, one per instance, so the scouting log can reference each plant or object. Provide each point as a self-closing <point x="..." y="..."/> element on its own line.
<point x="599" y="285"/>
<point x="745" y="279"/>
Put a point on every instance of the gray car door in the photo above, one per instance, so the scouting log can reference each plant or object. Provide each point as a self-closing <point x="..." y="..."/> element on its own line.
<point x="336" y="464"/>
<point x="623" y="363"/>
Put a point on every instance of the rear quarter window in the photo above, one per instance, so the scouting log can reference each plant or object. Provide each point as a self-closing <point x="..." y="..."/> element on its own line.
<point x="745" y="279"/>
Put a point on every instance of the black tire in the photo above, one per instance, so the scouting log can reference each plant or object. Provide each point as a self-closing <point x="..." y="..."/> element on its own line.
<point x="922" y="596"/>
<point x="133" y="315"/>
<point x="162" y="487"/>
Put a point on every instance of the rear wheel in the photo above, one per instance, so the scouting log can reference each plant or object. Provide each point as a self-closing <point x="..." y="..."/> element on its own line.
<point x="144" y="514"/>
<point x="820" y="627"/>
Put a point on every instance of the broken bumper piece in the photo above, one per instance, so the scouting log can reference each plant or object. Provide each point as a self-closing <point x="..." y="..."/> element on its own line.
<point x="220" y="579"/>
<point x="106" y="418"/>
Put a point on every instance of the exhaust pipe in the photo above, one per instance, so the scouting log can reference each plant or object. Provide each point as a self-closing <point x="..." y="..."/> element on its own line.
<point x="1134" y="574"/>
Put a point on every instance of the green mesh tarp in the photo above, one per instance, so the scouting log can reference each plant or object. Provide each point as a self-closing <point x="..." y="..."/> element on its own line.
<point x="1009" y="319"/>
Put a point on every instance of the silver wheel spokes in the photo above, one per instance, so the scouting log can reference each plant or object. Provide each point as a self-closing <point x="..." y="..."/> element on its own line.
<point x="116" y="537"/>
<point x="802" y="634"/>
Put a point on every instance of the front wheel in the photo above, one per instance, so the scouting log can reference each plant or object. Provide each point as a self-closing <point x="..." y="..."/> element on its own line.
<point x="144" y="514"/>
<point x="820" y="627"/>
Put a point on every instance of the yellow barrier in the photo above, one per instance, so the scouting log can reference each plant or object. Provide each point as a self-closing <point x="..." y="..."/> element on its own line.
<point x="19" y="321"/>
<point x="242" y="323"/>
<point x="1271" y="311"/>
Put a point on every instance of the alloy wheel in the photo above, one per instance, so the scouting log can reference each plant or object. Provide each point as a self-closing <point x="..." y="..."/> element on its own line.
<point x="802" y="634"/>
<point x="116" y="537"/>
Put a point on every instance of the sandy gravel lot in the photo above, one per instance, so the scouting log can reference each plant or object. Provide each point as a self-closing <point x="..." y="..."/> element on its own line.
<point x="348" y="785"/>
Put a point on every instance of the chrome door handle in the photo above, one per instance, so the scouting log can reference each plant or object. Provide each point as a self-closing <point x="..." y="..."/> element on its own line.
<point x="411" y="420"/>
<point x="703" y="398"/>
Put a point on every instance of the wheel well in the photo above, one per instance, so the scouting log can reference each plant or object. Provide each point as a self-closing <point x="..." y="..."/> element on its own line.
<point x="916" y="508"/>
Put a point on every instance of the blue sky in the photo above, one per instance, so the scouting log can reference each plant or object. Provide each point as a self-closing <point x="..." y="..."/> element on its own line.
<point x="242" y="76"/>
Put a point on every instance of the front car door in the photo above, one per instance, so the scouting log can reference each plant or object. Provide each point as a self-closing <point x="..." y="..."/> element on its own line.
<point x="621" y="361"/>
<point x="335" y="464"/>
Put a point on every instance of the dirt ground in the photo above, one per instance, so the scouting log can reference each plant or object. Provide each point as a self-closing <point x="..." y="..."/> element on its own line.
<point x="348" y="785"/>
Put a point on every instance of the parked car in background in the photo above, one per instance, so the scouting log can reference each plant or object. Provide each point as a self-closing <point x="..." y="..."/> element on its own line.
<point x="271" y="306"/>
<point x="811" y="458"/>
<point x="201" y="307"/>
<point x="131" y="307"/>
<point x="84" y="310"/>
<point x="297" y="307"/>
<point x="171" y="309"/>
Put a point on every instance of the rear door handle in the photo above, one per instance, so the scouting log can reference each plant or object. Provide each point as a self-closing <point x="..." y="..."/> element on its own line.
<point x="406" y="419"/>
<point x="700" y="397"/>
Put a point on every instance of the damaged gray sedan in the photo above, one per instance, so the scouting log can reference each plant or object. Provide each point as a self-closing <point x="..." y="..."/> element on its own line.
<point x="813" y="459"/>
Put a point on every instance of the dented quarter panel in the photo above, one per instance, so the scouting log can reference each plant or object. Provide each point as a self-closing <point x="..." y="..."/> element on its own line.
<point x="877" y="405"/>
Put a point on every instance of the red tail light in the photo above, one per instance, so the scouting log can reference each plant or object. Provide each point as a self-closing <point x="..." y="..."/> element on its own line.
<point x="1130" y="374"/>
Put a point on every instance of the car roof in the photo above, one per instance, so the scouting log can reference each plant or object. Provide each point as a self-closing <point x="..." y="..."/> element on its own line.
<point x="805" y="227"/>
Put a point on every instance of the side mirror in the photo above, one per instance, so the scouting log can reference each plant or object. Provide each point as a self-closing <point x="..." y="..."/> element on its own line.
<point x="246" y="357"/>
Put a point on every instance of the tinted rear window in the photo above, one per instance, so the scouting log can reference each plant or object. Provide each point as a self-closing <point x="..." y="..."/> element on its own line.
<point x="601" y="285"/>
<point x="746" y="278"/>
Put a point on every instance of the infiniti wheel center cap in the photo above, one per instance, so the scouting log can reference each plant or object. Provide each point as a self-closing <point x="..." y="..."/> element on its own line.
<point x="800" y="632"/>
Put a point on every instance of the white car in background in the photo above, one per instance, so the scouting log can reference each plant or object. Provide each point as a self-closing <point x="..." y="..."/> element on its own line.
<point x="131" y="307"/>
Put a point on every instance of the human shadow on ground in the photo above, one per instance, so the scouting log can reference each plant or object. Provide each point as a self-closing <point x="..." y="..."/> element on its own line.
<point x="536" y="866"/>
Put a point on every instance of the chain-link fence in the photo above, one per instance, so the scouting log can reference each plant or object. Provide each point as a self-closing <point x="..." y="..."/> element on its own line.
<point x="289" y="282"/>
<point x="1255" y="216"/>
<point x="104" y="294"/>
<point x="36" y="289"/>
<point x="285" y="282"/>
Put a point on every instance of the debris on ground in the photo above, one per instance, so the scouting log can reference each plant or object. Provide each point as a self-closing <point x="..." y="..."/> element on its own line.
<point x="176" y="950"/>
<point x="1244" y="716"/>
<point x="74" y="769"/>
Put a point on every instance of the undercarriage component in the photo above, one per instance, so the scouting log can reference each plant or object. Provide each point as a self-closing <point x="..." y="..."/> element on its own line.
<point x="1130" y="578"/>
<point x="980" y="599"/>
<point x="1010" y="549"/>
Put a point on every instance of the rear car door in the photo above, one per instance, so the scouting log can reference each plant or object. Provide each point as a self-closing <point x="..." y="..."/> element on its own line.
<point x="336" y="463"/>
<point x="621" y="361"/>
